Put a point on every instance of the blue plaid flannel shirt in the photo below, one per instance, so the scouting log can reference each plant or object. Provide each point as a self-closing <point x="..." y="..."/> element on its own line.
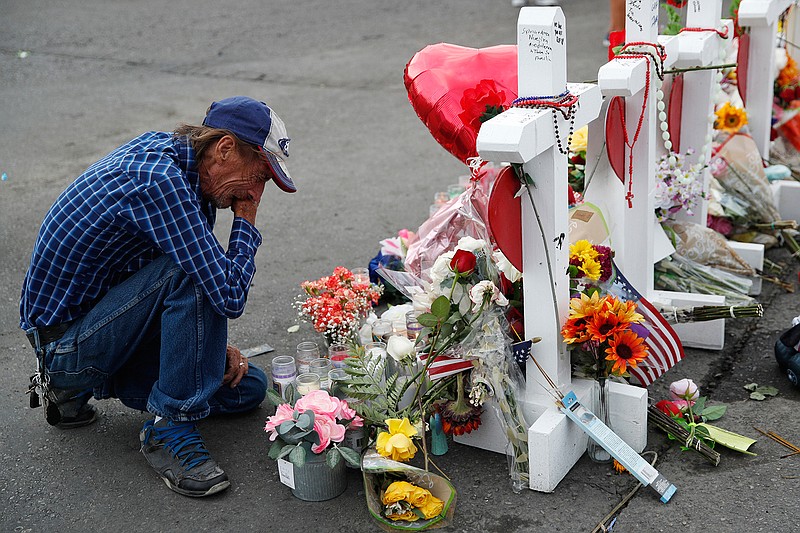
<point x="140" y="201"/>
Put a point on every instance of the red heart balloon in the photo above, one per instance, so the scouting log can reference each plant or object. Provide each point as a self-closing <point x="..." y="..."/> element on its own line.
<point x="615" y="136"/>
<point x="450" y="87"/>
<point x="675" y="112"/>
<point x="505" y="216"/>
<point x="742" y="62"/>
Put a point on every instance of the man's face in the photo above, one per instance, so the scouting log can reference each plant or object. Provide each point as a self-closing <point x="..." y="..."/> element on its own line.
<point x="226" y="175"/>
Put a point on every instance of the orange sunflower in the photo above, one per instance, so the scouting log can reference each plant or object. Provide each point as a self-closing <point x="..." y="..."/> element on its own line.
<point x="730" y="118"/>
<point x="574" y="331"/>
<point x="605" y="325"/>
<point x="625" y="348"/>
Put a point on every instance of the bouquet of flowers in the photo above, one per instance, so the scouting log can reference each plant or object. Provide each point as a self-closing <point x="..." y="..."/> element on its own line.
<point x="403" y="497"/>
<point x="685" y="418"/>
<point x="462" y="312"/>
<point x="601" y="331"/>
<point x="336" y="304"/>
<point x="679" y="185"/>
<point x="315" y="424"/>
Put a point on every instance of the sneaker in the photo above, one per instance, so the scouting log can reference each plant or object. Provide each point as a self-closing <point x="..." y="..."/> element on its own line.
<point x="177" y="452"/>
<point x="69" y="409"/>
<point x="607" y="40"/>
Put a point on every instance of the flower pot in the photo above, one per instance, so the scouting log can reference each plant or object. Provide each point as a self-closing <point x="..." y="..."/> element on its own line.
<point x="315" y="481"/>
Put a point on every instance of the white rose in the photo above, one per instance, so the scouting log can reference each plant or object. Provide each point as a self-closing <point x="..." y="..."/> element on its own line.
<point x="421" y="299"/>
<point x="481" y="289"/>
<point x="441" y="269"/>
<point x="504" y="265"/>
<point x="400" y="347"/>
<point x="470" y="244"/>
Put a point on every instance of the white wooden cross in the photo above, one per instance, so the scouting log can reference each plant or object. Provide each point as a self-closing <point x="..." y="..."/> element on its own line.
<point x="703" y="49"/>
<point x="761" y="17"/>
<point x="529" y="137"/>
<point x="636" y="236"/>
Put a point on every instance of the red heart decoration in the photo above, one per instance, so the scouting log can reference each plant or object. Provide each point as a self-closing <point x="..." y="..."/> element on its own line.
<point x="505" y="216"/>
<point x="450" y="87"/>
<point x="742" y="61"/>
<point x="615" y="136"/>
<point x="675" y="112"/>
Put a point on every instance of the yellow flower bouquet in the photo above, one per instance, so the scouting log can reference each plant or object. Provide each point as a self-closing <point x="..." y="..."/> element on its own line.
<point x="403" y="497"/>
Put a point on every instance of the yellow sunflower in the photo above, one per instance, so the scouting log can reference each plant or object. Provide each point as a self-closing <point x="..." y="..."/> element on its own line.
<point x="582" y="250"/>
<point x="590" y="268"/>
<point x="584" y="306"/>
<point x="730" y="118"/>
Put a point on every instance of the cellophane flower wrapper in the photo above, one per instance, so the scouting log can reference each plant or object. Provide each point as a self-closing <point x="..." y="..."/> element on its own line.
<point x="488" y="346"/>
<point x="707" y="247"/>
<point x="677" y="273"/>
<point x="464" y="215"/>
<point x="738" y="168"/>
<point x="375" y="468"/>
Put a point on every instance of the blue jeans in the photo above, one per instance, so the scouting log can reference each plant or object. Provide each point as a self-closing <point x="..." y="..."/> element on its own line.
<point x="154" y="342"/>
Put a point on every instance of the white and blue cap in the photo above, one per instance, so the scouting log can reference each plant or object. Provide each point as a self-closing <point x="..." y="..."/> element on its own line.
<point x="255" y="123"/>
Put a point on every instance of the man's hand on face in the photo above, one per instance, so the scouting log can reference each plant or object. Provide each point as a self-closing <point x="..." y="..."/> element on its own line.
<point x="236" y="366"/>
<point x="246" y="209"/>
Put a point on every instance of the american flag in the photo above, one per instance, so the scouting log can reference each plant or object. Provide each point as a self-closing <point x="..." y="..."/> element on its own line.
<point x="664" y="346"/>
<point x="444" y="366"/>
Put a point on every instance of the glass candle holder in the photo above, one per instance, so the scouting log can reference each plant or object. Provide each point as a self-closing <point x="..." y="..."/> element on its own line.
<point x="321" y="367"/>
<point x="413" y="327"/>
<point x="307" y="351"/>
<point x="378" y="349"/>
<point x="283" y="371"/>
<point x="337" y="353"/>
<point x="379" y="329"/>
<point x="337" y="377"/>
<point x="306" y="383"/>
<point x="360" y="275"/>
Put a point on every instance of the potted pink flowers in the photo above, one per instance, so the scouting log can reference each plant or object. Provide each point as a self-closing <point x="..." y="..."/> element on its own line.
<point x="307" y="441"/>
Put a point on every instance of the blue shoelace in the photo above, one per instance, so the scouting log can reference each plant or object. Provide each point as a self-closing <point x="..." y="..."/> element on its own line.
<point x="184" y="442"/>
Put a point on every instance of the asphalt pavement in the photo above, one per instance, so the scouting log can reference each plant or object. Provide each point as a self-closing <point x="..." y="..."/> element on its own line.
<point x="78" y="78"/>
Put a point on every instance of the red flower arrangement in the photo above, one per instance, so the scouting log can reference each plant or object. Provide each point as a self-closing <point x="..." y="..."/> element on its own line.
<point x="335" y="304"/>
<point x="481" y="103"/>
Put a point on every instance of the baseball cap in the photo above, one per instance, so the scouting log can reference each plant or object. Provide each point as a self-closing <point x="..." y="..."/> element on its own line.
<point x="254" y="122"/>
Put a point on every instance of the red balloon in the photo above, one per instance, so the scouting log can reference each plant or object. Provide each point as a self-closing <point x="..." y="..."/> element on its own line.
<point x="615" y="136"/>
<point x="742" y="63"/>
<point x="450" y="87"/>
<point x="505" y="216"/>
<point x="675" y="112"/>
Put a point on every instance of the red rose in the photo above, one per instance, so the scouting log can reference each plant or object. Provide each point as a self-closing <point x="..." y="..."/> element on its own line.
<point x="669" y="408"/>
<point x="475" y="102"/>
<point x="677" y="3"/>
<point x="787" y="94"/>
<point x="463" y="262"/>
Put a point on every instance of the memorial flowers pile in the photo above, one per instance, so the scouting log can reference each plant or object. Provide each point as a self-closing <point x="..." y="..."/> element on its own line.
<point x="336" y="304"/>
<point x="316" y="424"/>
